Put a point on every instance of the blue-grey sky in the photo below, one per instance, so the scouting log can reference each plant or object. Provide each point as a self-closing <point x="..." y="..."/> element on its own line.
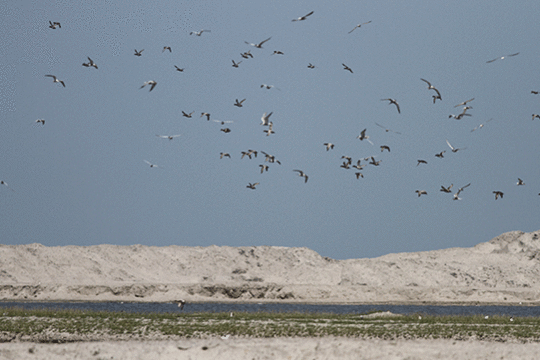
<point x="81" y="179"/>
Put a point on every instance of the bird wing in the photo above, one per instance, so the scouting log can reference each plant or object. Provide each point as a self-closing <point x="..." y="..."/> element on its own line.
<point x="451" y="147"/>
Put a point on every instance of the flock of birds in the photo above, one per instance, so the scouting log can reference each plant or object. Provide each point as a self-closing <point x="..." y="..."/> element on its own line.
<point x="346" y="161"/>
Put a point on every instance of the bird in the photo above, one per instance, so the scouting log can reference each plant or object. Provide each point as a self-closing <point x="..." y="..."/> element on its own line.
<point x="222" y="155"/>
<point x="170" y="137"/>
<point x="226" y="130"/>
<point x="252" y="186"/>
<point x="235" y="64"/>
<point x="184" y="114"/>
<point x="90" y="63"/>
<point x="264" y="119"/>
<point x="498" y="194"/>
<point x="534" y="116"/>
<point x="328" y="146"/>
<point x="302" y="17"/>
<point x="363" y="136"/>
<point x="359" y="175"/>
<point x="359" y="25"/>
<point x="152" y="84"/>
<point x="151" y="165"/>
<point x="464" y="103"/>
<point x="421" y="192"/>
<point x="534" y="92"/>
<point x="205" y="114"/>
<point x="311" y="66"/>
<point x="138" y="53"/>
<point x="263" y="167"/>
<point x="270" y="158"/>
<point x="393" y="101"/>
<point x="259" y="45"/>
<point x="421" y="162"/>
<point x="435" y="98"/>
<point x="348" y="158"/>
<point x="223" y="122"/>
<point x="345" y="67"/>
<point x="386" y="129"/>
<point x="463" y="113"/>
<point x="357" y="165"/>
<point x="431" y="87"/>
<point x="456" y="195"/>
<point x="54" y="25"/>
<point x="385" y="147"/>
<point x="56" y="80"/>
<point x="246" y="55"/>
<point x="453" y="148"/>
<point x="2" y="182"/>
<point x="268" y="86"/>
<point x="345" y="165"/>
<point x="446" y="189"/>
<point x="239" y="103"/>
<point x="302" y="174"/>
<point x="166" y="48"/>
<point x="277" y="52"/>
<point x="199" y="33"/>
<point x="180" y="303"/>
<point x="373" y="162"/>
<point x="270" y="129"/>
<point x="179" y="69"/>
<point x="40" y="121"/>
<point x="440" y="155"/>
<point x="481" y="125"/>
<point x="520" y="182"/>
<point x="502" y="57"/>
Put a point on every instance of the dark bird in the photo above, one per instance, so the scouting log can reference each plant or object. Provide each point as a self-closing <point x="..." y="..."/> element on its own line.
<point x="54" y="25"/>
<point x="311" y="66"/>
<point x="393" y="101"/>
<point x="90" y="63"/>
<point x="345" y="67"/>
<point x="328" y="146"/>
<point x="226" y="130"/>
<point x="498" y="194"/>
<point x="222" y="155"/>
<point x="138" y="53"/>
<point x="167" y="48"/>
<point x="252" y="186"/>
<point x="239" y="103"/>
<point x="421" y="192"/>
<point x="179" y="69"/>
<point x="385" y="147"/>
<point x="152" y="84"/>
<point x="277" y="52"/>
<point x="235" y="64"/>
<point x="180" y="303"/>
<point x="520" y="182"/>
<point x="205" y="114"/>
<point x="184" y="114"/>
<point x="440" y="155"/>
<point x="2" y="182"/>
<point x="302" y="17"/>
<point x="421" y="162"/>
<point x="446" y="189"/>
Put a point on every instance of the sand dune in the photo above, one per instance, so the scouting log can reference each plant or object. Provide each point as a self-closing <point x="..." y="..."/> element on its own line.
<point x="504" y="270"/>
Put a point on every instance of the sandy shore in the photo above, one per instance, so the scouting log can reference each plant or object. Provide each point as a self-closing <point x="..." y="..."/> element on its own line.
<point x="276" y="348"/>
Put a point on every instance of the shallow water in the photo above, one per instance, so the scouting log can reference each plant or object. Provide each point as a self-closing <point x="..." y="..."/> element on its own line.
<point x="300" y="308"/>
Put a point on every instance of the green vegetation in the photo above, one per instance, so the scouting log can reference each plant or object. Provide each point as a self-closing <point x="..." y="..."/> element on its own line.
<point x="47" y="325"/>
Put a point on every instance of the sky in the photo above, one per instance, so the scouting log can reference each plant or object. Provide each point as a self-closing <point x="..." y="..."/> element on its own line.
<point x="81" y="178"/>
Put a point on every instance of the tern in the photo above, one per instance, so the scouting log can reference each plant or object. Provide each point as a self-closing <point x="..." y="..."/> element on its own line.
<point x="328" y="146"/>
<point x="358" y="175"/>
<point x="90" y="63"/>
<point x="502" y="57"/>
<point x="464" y="103"/>
<point x="152" y="84"/>
<point x="184" y="114"/>
<point x="440" y="155"/>
<point x="421" y="162"/>
<point x="363" y="136"/>
<point x="2" y="182"/>
<point x="56" y="80"/>
<point x="373" y="162"/>
<point x="151" y="165"/>
<point x="205" y="114"/>
<point x="247" y="55"/>
<point x="179" y="69"/>
<point x="534" y="116"/>
<point x="431" y="87"/>
<point x="270" y="158"/>
<point x="170" y="137"/>
<point x="345" y="67"/>
<point x="259" y="45"/>
<point x="166" y="48"/>
<point x="222" y="155"/>
<point x="498" y="194"/>
<point x="446" y="189"/>
<point x="40" y="121"/>
<point x="393" y="101"/>
<point x="385" y="147"/>
<point x="456" y="195"/>
<point x="453" y="148"/>
<point x="239" y="103"/>
<point x="54" y="25"/>
<point x="481" y="125"/>
<point x="302" y="17"/>
<point x="359" y="25"/>
<point x="520" y="182"/>
<point x="277" y="52"/>
<point x="302" y="174"/>
<point x="252" y="186"/>
<point x="138" y="53"/>
<point x="387" y="130"/>
<point x="199" y="33"/>
<point x="264" y="119"/>
<point x="263" y="167"/>
<point x="421" y="192"/>
<point x="223" y="122"/>
<point x="235" y="64"/>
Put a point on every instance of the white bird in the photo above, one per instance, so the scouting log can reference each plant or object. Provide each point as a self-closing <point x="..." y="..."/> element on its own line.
<point x="90" y="63"/>
<point x="453" y="148"/>
<point x="421" y="192"/>
<point x="502" y="57"/>
<point x="170" y="137"/>
<point x="199" y="33"/>
<point x="393" y="101"/>
<point x="56" y="80"/>
<point x="151" y="165"/>
<point x="456" y="195"/>
<point x="152" y="84"/>
<point x="40" y="121"/>
<point x="481" y="125"/>
<point x="359" y="25"/>
<point x="431" y="87"/>
<point x="302" y="174"/>
<point x="302" y="17"/>
<point x="464" y="103"/>
<point x="264" y="119"/>
<point x="259" y="45"/>
<point x="180" y="303"/>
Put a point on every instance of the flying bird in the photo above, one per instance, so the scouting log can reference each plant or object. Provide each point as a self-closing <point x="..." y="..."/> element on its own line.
<point x="421" y="162"/>
<point x="456" y="195"/>
<point x="363" y="136"/>
<point x="138" y="53"/>
<point x="205" y="114"/>
<point x="534" y="116"/>
<point x="54" y="25"/>
<point x="56" y="80"/>
<point x="481" y="125"/>
<point x="502" y="57"/>
<point x="40" y="121"/>
<point x="239" y="103"/>
<point x="373" y="162"/>
<point x="2" y="182"/>
<point x="446" y="189"/>
<point x="311" y="66"/>
<point x="263" y="167"/>
<point x="386" y="129"/>
<point x="385" y="147"/>
<point x="302" y="174"/>
<point x="264" y="119"/>
<point x="270" y="129"/>
<point x="520" y="182"/>
<point x="223" y="122"/>
<point x="358" y="175"/>
<point x="328" y="146"/>
<point x="151" y="165"/>
<point x="302" y="17"/>
<point x="184" y="114"/>
<point x="90" y="63"/>
<point x="180" y="303"/>
<point x="246" y="55"/>
<point x="269" y="87"/>
<point x="170" y="137"/>
<point x="431" y="87"/>
<point x="179" y="69"/>
<point x="222" y="155"/>
<point x="152" y="84"/>
<point x="440" y="155"/>
<point x="235" y="64"/>
<point x="270" y="158"/>
<point x="498" y="194"/>
<point x="167" y="48"/>
<point x="534" y="92"/>
<point x="464" y="103"/>
<point x="259" y="45"/>
<point x="345" y="67"/>
<point x="421" y="192"/>
<point x="359" y="25"/>
<point x="198" y="33"/>
<point x="226" y="130"/>
<point x="277" y="52"/>
<point x="393" y="101"/>
<point x="252" y="186"/>
<point x="453" y="148"/>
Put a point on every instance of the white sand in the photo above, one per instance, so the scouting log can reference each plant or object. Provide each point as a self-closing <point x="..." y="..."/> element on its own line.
<point x="505" y="270"/>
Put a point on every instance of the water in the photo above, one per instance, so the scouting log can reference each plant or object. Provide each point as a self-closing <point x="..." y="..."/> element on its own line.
<point x="280" y="308"/>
